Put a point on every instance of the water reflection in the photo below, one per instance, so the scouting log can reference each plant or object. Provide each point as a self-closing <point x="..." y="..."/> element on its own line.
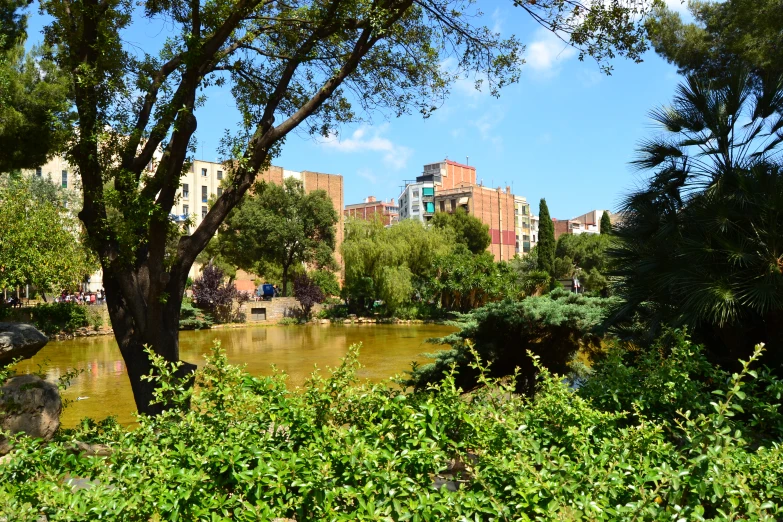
<point x="104" y="389"/>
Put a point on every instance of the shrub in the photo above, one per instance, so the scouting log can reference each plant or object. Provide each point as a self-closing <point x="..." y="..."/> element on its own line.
<point x="308" y="294"/>
<point x="191" y="318"/>
<point x="217" y="297"/>
<point x="53" y="318"/>
<point x="326" y="280"/>
<point x="288" y="321"/>
<point x="249" y="449"/>
<point x="95" y="317"/>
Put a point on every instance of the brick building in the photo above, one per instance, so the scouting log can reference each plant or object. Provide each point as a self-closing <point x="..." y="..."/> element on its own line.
<point x="494" y="207"/>
<point x="388" y="212"/>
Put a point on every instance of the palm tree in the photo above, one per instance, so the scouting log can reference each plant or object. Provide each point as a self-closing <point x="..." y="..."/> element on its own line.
<point x="702" y="243"/>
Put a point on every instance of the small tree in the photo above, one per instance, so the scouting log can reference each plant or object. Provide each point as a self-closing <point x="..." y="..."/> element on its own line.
<point x="281" y="225"/>
<point x="606" y="223"/>
<point x="546" y="240"/>
<point x="469" y="230"/>
<point x="308" y="294"/>
<point x="217" y="297"/>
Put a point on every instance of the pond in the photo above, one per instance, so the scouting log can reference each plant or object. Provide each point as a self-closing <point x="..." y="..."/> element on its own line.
<point x="103" y="389"/>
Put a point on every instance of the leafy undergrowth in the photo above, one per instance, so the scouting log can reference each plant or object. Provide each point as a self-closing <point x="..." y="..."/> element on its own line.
<point x="249" y="449"/>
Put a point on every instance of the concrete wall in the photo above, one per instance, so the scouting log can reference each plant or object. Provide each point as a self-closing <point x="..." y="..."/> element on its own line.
<point x="276" y="309"/>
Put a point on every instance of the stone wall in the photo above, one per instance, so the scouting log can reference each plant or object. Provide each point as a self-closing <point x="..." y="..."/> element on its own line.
<point x="274" y="310"/>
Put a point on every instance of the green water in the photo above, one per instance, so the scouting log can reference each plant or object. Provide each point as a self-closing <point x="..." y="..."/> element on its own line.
<point x="104" y="389"/>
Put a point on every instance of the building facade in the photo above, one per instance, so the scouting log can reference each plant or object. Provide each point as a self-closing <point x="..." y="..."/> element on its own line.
<point x="533" y="231"/>
<point x="371" y="208"/>
<point x="417" y="201"/>
<point x="493" y="207"/>
<point x="522" y="225"/>
<point x="203" y="183"/>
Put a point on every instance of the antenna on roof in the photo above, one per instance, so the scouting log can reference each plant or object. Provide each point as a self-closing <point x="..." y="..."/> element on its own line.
<point x="467" y="160"/>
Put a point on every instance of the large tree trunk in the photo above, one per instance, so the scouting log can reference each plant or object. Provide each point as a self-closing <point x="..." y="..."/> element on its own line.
<point x="144" y="319"/>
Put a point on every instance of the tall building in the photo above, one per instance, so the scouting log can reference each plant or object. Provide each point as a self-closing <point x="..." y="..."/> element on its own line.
<point x="494" y="207"/>
<point x="417" y="201"/>
<point x="522" y="225"/>
<point x="533" y="231"/>
<point x="388" y="212"/>
<point x="201" y="183"/>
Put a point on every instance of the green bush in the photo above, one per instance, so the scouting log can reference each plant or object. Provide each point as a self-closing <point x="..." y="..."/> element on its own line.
<point x="334" y="311"/>
<point x="249" y="449"/>
<point x="192" y="318"/>
<point x="289" y="321"/>
<point x="95" y="317"/>
<point x="53" y="318"/>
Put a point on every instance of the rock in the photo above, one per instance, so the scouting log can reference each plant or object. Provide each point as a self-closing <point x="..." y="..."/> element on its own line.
<point x="19" y="340"/>
<point x="31" y="405"/>
<point x="324" y="321"/>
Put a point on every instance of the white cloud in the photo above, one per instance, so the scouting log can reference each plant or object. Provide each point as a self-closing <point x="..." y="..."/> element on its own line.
<point x="547" y="53"/>
<point x="486" y="125"/>
<point x="368" y="175"/>
<point x="370" y="139"/>
<point x="681" y="6"/>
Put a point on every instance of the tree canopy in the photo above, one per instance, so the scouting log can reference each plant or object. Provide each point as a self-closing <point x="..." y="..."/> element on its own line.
<point x="723" y="36"/>
<point x="283" y="226"/>
<point x="468" y="230"/>
<point x="606" y="223"/>
<point x="40" y="240"/>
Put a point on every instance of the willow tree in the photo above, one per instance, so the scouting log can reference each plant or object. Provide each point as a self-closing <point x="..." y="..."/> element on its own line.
<point x="306" y="65"/>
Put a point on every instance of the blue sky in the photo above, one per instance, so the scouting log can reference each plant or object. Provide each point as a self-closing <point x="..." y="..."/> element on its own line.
<point x="565" y="132"/>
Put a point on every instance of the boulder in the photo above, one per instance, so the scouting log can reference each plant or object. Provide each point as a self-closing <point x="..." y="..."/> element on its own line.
<point x="31" y="405"/>
<point x="19" y="340"/>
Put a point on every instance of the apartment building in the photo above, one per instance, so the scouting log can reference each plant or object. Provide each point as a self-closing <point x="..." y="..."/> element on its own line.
<point x="203" y="182"/>
<point x="370" y="208"/>
<point x="417" y="201"/>
<point x="588" y="223"/>
<point x="522" y="225"/>
<point x="494" y="207"/>
<point x="534" y="222"/>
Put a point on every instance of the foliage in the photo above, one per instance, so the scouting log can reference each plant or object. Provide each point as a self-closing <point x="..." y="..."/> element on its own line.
<point x="700" y="244"/>
<point x="281" y="225"/>
<point x="288" y="321"/>
<point x="34" y="109"/>
<point x="13" y="24"/>
<point x="191" y="318"/>
<point x="463" y="281"/>
<point x="250" y="449"/>
<point x="40" y="242"/>
<point x="217" y="297"/>
<point x="326" y="281"/>
<point x="606" y="223"/>
<point x="552" y="327"/>
<point x="722" y="36"/>
<point x="468" y="230"/>
<point x="546" y="240"/>
<point x="53" y="318"/>
<point x="384" y="263"/>
<point x="334" y="311"/>
<point x="308" y="294"/>
<point x="587" y="252"/>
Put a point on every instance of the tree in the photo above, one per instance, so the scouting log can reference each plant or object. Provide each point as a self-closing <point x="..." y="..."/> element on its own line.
<point x="41" y="241"/>
<point x="384" y="263"/>
<point x="308" y="294"/>
<point x="34" y="109"/>
<point x="546" y="240"/>
<point x="701" y="243"/>
<point x="554" y="327"/>
<point x="216" y="296"/>
<point x="722" y="37"/>
<point x="463" y="281"/>
<point x="606" y="223"/>
<point x="468" y="230"/>
<point x="281" y="225"/>
<point x="326" y="281"/>
<point x="301" y="65"/>
<point x="13" y="24"/>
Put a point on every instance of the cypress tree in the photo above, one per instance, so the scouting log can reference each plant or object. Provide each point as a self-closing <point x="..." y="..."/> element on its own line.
<point x="546" y="239"/>
<point x="606" y="223"/>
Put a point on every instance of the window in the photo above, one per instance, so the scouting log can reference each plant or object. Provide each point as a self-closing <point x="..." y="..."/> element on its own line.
<point x="415" y="209"/>
<point x="185" y="192"/>
<point x="203" y="193"/>
<point x="220" y="174"/>
<point x="185" y="210"/>
<point x="38" y="172"/>
<point x="453" y="205"/>
<point x="442" y="206"/>
<point x="204" y="172"/>
<point x="220" y="191"/>
<point x="416" y="193"/>
<point x="203" y="212"/>
<point x="65" y="179"/>
<point x="428" y="191"/>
